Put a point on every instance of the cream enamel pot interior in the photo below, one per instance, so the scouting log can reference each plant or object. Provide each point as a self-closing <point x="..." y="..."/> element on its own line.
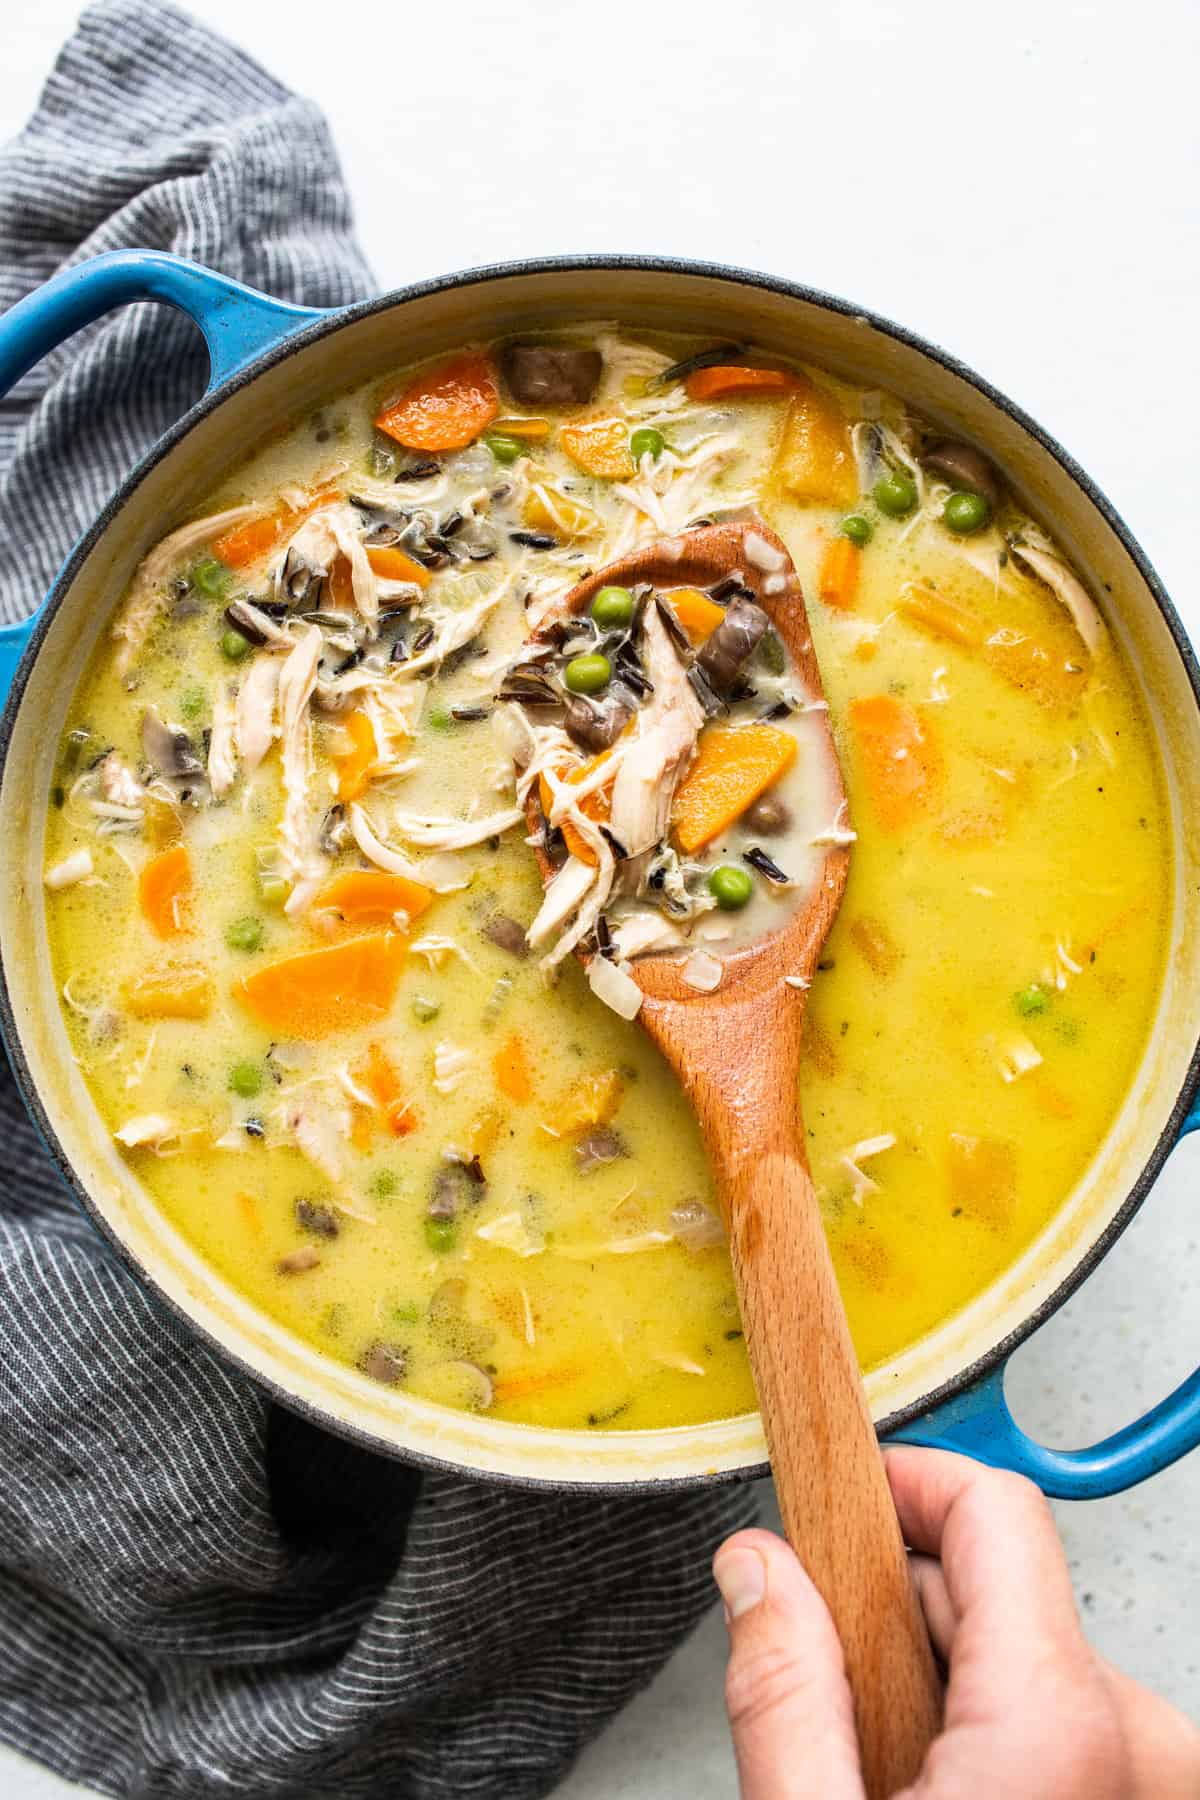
<point x="271" y="363"/>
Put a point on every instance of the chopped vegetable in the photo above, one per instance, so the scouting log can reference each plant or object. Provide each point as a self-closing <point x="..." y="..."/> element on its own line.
<point x="900" y="760"/>
<point x="212" y="577"/>
<point x="595" y="1100"/>
<point x="441" y="1234"/>
<point x="588" y="674"/>
<point x="246" y="1079"/>
<point x="164" y="887"/>
<point x="732" y="767"/>
<point x="382" y="1082"/>
<point x="535" y="1381"/>
<point x="535" y="430"/>
<point x="815" y="459"/>
<point x="840" y="567"/>
<point x="876" y="945"/>
<point x="1031" y="1000"/>
<point x="983" y="1178"/>
<point x="895" y="494"/>
<point x="597" y="805"/>
<point x="173" y="993"/>
<point x="612" y="608"/>
<point x="548" y="509"/>
<point x="353" y="768"/>
<point x="510" y="1066"/>
<point x="941" y="616"/>
<point x="506" y="450"/>
<point x="319" y="992"/>
<point x="245" y="934"/>
<point x="445" y="408"/>
<point x="425" y="1008"/>
<point x="373" y="897"/>
<point x="391" y="564"/>
<point x="730" y="887"/>
<point x="698" y="615"/>
<point x="646" y="441"/>
<point x="966" y="513"/>
<point x="726" y="381"/>
<point x="599" y="447"/>
<point x="858" y="529"/>
<point x="234" y="646"/>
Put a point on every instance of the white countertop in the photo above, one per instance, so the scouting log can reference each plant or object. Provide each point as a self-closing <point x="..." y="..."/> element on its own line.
<point x="1017" y="184"/>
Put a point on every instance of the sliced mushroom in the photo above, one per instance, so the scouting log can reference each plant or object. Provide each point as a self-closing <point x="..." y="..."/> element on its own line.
<point x="507" y="934"/>
<point x="551" y="374"/>
<point x="597" y="724"/>
<point x="168" y="747"/>
<point x="768" y="815"/>
<point x="318" y="1220"/>
<point x="732" y="644"/>
<point x="387" y="1363"/>
<point x="964" y="467"/>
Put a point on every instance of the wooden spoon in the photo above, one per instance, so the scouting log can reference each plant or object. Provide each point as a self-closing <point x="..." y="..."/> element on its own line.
<point x="737" y="1053"/>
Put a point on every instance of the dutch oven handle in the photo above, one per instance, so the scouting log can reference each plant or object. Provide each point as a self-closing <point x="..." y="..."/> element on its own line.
<point x="979" y="1424"/>
<point x="237" y="322"/>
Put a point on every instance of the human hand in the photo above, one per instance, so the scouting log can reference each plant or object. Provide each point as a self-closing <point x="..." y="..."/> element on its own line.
<point x="1032" y="1713"/>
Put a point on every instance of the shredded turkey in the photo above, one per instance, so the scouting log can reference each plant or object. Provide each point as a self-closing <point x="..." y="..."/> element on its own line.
<point x="297" y="679"/>
<point x="148" y="1130"/>
<point x="455" y="834"/>
<point x="1064" y="585"/>
<point x="119" y="785"/>
<point x="442" y="873"/>
<point x="667" y="727"/>
<point x="222" y="752"/>
<point x="332" y="531"/>
<point x="642" y="932"/>
<point x="148" y="594"/>
<point x="255" y="721"/>
<point x="563" y="897"/>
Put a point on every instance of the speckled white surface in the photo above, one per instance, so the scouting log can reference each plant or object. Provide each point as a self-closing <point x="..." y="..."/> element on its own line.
<point x="1017" y="187"/>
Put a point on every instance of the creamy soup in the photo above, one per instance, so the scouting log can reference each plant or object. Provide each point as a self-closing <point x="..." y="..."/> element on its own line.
<point x="393" y="1088"/>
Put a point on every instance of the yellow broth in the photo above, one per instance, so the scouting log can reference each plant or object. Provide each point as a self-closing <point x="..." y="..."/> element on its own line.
<point x="980" y="1010"/>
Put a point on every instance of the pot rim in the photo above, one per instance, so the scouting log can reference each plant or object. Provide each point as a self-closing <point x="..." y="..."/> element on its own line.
<point x="303" y="338"/>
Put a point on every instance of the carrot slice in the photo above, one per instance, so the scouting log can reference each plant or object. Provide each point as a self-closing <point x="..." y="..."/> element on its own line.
<point x="245" y="544"/>
<point x="179" y="993"/>
<point x="353" y="768"/>
<point x="725" y="380"/>
<point x="510" y="1066"/>
<point x="815" y="459"/>
<point x="837" y="583"/>
<point x="983" y="1178"/>
<point x="373" y="897"/>
<point x="733" y="765"/>
<point x="322" y="991"/>
<point x="446" y="407"/>
<point x="597" y="805"/>
<point x="698" y="615"/>
<point x="164" y="887"/>
<point x="592" y="1101"/>
<point x="901" y="762"/>
<point x="535" y="1381"/>
<point x="942" y="617"/>
<point x="876" y="945"/>
<point x="383" y="1084"/>
<point x="599" y="447"/>
<point x="391" y="564"/>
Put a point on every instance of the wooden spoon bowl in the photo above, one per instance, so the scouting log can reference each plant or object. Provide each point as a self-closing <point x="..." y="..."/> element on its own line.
<point x="737" y="1053"/>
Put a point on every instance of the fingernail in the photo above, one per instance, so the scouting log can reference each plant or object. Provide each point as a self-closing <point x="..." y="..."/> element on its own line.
<point x="742" y="1578"/>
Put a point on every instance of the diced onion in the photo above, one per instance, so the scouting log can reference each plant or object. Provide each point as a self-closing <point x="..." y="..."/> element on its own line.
<point x="615" y="986"/>
<point x="703" y="972"/>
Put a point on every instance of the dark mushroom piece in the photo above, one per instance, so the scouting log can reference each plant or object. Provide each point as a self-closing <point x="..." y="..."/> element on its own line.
<point x="387" y="1363"/>
<point x="768" y="815"/>
<point x="965" y="468"/>
<point x="597" y="724"/>
<point x="318" y="1220"/>
<point x="603" y="1145"/>
<point x="507" y="934"/>
<point x="732" y="644"/>
<point x="551" y="374"/>
<point x="168" y="748"/>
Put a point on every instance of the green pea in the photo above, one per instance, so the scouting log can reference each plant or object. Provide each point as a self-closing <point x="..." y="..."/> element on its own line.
<point x="730" y="887"/>
<point x="424" y="1008"/>
<point x="1030" y="1000"/>
<point x="858" y="529"/>
<point x="383" y="1184"/>
<point x="408" y="1314"/>
<point x="505" y="449"/>
<point x="245" y="934"/>
<point x="965" y="513"/>
<point x="588" y="674"/>
<point x="273" y="889"/>
<point x="211" y="577"/>
<point x="895" y="494"/>
<point x="234" y="646"/>
<point x="191" y="700"/>
<point x="612" y="608"/>
<point x="647" y="442"/>
<point x="246" y="1079"/>
<point x="440" y="1234"/>
<point x="440" y="719"/>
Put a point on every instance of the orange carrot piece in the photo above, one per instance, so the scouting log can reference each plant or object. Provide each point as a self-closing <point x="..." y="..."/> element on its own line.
<point x="383" y="1084"/>
<point x="733" y="765"/>
<point x="172" y="993"/>
<point x="245" y="544"/>
<point x="391" y="564"/>
<point x="698" y="615"/>
<point x="446" y="407"/>
<point x="535" y="1381"/>
<point x="815" y="459"/>
<point x="373" y="897"/>
<point x="510" y="1066"/>
<point x="353" y="767"/>
<point x="534" y="430"/>
<point x="841" y="565"/>
<point x="900" y="760"/>
<point x="983" y="1178"/>
<point x="164" y="887"/>
<point x="599" y="447"/>
<point x="729" y="379"/>
<point x="320" y="992"/>
<point x="941" y="616"/>
<point x="876" y="945"/>
<point x="597" y="805"/>
<point x="592" y="1101"/>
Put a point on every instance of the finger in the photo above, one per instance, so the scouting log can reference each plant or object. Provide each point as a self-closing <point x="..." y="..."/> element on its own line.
<point x="995" y="1536"/>
<point x="936" y="1604"/>
<point x="1162" y="1746"/>
<point x="786" y="1692"/>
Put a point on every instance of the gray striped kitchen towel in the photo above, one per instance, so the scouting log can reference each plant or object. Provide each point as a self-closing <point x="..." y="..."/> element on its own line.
<point x="201" y="1594"/>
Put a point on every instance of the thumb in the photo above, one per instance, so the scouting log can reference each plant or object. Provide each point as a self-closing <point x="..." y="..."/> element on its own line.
<point x="786" y="1692"/>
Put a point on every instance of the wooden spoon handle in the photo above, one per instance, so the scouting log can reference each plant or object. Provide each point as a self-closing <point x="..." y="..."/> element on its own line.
<point x="833" y="1492"/>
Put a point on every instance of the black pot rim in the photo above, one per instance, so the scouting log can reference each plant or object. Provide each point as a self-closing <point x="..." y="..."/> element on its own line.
<point x="338" y="320"/>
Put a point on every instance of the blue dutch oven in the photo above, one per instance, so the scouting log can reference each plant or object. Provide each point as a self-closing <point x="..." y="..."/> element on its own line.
<point x="270" y="363"/>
